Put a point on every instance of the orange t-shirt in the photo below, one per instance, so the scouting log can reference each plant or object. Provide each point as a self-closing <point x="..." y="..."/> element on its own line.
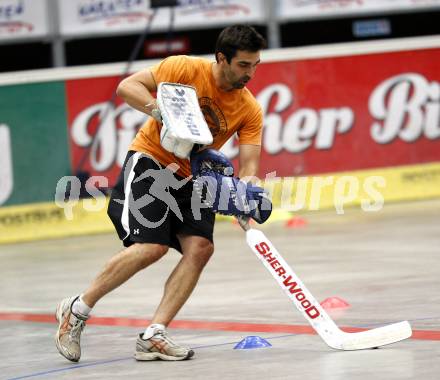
<point x="225" y="112"/>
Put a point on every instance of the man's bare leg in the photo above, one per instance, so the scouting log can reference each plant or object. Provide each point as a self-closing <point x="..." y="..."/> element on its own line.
<point x="182" y="281"/>
<point x="154" y="343"/>
<point x="120" y="268"/>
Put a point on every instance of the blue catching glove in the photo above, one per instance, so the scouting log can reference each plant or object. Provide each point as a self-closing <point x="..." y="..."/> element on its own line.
<point x="226" y="194"/>
<point x="210" y="159"/>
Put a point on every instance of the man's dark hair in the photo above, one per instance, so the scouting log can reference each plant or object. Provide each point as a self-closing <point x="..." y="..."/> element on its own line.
<point x="238" y="37"/>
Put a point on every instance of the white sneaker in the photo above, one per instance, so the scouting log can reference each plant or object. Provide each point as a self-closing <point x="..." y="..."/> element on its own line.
<point x="160" y="346"/>
<point x="67" y="338"/>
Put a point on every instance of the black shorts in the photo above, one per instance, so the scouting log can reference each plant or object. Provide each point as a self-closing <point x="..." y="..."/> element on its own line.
<point x="146" y="201"/>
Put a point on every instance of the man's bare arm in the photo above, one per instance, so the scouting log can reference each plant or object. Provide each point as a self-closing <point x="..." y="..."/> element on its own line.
<point x="136" y="91"/>
<point x="249" y="160"/>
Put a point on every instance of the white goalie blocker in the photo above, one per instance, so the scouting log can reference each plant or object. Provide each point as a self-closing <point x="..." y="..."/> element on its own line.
<point x="183" y="122"/>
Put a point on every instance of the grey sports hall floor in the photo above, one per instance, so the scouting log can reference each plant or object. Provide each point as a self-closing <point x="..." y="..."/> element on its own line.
<point x="385" y="265"/>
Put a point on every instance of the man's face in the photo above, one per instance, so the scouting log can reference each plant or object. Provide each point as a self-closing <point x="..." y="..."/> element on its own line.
<point x="241" y="69"/>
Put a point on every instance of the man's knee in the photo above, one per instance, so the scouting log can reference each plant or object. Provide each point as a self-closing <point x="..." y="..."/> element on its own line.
<point x="149" y="253"/>
<point x="200" y="252"/>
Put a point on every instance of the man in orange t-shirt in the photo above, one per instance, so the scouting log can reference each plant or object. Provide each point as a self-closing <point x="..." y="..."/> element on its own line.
<point x="152" y="215"/>
<point x="226" y="111"/>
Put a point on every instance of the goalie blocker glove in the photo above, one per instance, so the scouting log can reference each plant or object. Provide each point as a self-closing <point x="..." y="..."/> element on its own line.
<point x="183" y="123"/>
<point x="213" y="182"/>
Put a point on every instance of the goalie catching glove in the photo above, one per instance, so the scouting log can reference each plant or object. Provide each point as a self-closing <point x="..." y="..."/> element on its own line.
<point x="225" y="194"/>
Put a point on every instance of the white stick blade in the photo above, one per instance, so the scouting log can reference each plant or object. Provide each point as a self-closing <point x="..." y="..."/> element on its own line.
<point x="376" y="337"/>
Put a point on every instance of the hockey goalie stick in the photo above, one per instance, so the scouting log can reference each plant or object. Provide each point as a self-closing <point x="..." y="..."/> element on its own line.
<point x="310" y="307"/>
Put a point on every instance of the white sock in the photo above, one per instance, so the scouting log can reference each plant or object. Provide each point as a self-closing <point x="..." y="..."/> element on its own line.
<point x="80" y="307"/>
<point x="152" y="329"/>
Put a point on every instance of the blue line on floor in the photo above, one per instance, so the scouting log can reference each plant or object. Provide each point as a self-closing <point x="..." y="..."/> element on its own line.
<point x="93" y="364"/>
<point x="37" y="374"/>
<point x="69" y="368"/>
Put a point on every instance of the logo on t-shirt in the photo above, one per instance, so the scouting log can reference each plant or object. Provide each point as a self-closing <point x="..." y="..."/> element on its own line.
<point x="213" y="116"/>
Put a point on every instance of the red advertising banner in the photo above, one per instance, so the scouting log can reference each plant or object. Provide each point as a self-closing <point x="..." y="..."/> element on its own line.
<point x="100" y="130"/>
<point x="321" y="115"/>
<point x="347" y="113"/>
